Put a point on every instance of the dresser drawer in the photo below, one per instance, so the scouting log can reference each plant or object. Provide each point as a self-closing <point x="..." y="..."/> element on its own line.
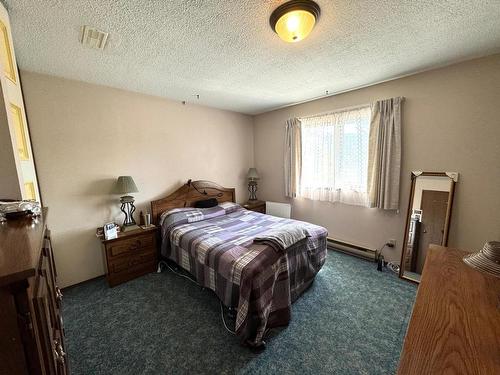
<point x="120" y="264"/>
<point x="121" y="247"/>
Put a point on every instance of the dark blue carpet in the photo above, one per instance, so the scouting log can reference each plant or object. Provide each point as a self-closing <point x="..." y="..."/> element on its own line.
<point x="351" y="321"/>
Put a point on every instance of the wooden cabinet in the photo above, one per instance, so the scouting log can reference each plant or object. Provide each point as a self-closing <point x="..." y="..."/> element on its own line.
<point x="455" y="323"/>
<point x="32" y="339"/>
<point x="256" y="206"/>
<point x="131" y="255"/>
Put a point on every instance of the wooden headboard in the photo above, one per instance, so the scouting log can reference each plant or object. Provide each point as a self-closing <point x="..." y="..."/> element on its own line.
<point x="190" y="193"/>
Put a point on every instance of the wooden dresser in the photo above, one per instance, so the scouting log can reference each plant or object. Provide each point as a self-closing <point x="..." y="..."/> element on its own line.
<point x="31" y="326"/>
<point x="455" y="324"/>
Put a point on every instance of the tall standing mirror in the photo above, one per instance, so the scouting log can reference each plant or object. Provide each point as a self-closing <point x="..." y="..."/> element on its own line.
<point x="427" y="220"/>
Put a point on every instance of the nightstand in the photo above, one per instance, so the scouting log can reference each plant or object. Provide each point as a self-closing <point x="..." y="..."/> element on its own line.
<point x="257" y="206"/>
<point x="130" y="255"/>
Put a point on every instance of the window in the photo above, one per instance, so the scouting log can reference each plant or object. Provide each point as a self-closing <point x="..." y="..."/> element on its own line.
<point x="335" y="156"/>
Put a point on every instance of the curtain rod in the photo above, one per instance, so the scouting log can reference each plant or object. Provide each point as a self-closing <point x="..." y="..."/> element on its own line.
<point x="345" y="109"/>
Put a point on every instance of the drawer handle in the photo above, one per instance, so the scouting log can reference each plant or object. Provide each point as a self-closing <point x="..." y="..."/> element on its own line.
<point x="136" y="245"/>
<point x="59" y="295"/>
<point x="57" y="356"/>
<point x="60" y="350"/>
<point x="59" y="353"/>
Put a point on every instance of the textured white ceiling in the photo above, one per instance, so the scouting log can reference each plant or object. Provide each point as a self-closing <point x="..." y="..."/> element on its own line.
<point x="226" y="52"/>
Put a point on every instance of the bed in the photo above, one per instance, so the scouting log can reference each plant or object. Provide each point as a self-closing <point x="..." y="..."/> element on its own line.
<point x="216" y="246"/>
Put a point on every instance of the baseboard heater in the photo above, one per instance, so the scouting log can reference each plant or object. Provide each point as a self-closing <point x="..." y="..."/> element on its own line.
<point x="352" y="249"/>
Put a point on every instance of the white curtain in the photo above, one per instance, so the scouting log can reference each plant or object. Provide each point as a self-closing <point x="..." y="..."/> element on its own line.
<point x="385" y="154"/>
<point x="335" y="156"/>
<point x="292" y="157"/>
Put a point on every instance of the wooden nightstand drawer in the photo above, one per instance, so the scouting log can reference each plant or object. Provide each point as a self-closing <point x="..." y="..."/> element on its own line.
<point x="123" y="263"/>
<point x="131" y="273"/>
<point x="121" y="247"/>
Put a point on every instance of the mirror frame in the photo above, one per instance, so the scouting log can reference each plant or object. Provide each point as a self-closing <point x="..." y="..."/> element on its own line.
<point x="453" y="176"/>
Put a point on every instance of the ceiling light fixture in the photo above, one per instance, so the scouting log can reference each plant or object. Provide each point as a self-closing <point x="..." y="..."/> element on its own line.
<point x="295" y="19"/>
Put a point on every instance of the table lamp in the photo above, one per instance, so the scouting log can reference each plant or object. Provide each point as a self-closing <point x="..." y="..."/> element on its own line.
<point x="126" y="185"/>
<point x="252" y="176"/>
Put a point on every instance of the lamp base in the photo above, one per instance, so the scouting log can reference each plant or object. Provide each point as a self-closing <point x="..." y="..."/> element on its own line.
<point x="129" y="228"/>
<point x="252" y="188"/>
<point x="128" y="209"/>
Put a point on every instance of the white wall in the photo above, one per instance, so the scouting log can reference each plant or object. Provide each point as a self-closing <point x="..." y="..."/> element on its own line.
<point x="451" y="122"/>
<point x="85" y="135"/>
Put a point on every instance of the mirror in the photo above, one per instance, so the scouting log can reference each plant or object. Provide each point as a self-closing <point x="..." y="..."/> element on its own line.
<point x="427" y="219"/>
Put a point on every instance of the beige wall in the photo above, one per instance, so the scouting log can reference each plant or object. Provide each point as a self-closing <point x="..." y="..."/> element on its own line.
<point x="451" y="122"/>
<point x="85" y="135"/>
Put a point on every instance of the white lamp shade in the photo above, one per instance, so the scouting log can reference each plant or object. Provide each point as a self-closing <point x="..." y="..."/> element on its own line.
<point x="125" y="185"/>
<point x="252" y="174"/>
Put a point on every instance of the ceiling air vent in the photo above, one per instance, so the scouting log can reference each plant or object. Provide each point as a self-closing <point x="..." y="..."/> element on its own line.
<point x="93" y="38"/>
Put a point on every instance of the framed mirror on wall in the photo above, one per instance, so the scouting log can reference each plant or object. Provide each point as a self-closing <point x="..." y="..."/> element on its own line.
<point x="427" y="220"/>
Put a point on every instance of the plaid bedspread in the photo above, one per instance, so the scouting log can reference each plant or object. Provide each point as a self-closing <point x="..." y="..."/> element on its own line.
<point x="216" y="246"/>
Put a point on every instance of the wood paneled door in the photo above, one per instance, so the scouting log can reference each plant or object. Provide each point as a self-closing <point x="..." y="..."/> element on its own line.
<point x="18" y="176"/>
<point x="434" y="206"/>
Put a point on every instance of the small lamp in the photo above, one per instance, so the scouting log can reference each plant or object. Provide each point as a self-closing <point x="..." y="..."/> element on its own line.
<point x="252" y="176"/>
<point x="126" y="185"/>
